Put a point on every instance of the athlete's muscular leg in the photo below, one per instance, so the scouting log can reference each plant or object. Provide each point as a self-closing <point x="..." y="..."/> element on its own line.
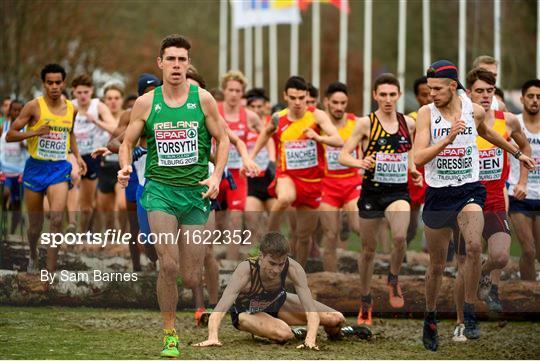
<point x="437" y="244"/>
<point x="330" y="225"/>
<point x="169" y="266"/>
<point x="459" y="289"/>
<point x="498" y="252"/>
<point x="263" y="325"/>
<point x="57" y="196"/>
<point x="73" y="207"/>
<point x="254" y="217"/>
<point x="413" y="224"/>
<point x="293" y="313"/>
<point x="286" y="195"/>
<point x="471" y="223"/>
<point x="307" y="219"/>
<point x="291" y="217"/>
<point x="235" y="224"/>
<point x="211" y="267"/>
<point x="105" y="210"/>
<point x="398" y="216"/>
<point x="536" y="232"/>
<point x="351" y="208"/>
<point x="523" y="226"/>
<point x="34" y="206"/>
<point x="87" y="194"/>
<point x="192" y="255"/>
<point x="369" y="229"/>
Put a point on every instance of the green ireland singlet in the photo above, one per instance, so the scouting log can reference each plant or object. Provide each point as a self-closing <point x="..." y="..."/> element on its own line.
<point x="178" y="141"/>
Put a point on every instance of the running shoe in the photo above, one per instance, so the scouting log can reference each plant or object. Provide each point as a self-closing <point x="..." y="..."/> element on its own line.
<point x="362" y="332"/>
<point x="299" y="333"/>
<point x="459" y="333"/>
<point x="430" y="336"/>
<point x="484" y="286"/>
<point x="472" y="331"/>
<point x="493" y="302"/>
<point x="170" y="346"/>
<point x="395" y="296"/>
<point x="202" y="315"/>
<point x="364" y="314"/>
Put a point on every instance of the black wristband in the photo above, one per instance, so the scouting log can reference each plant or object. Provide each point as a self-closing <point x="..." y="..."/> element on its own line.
<point x="517" y="154"/>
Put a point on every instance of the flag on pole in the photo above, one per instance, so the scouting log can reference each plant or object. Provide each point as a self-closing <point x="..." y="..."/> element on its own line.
<point x="342" y="5"/>
<point x="264" y="12"/>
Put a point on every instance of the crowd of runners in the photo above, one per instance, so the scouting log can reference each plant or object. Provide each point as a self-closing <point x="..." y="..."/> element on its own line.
<point x="180" y="157"/>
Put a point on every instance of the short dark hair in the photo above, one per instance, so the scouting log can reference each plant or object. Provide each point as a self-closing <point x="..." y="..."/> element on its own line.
<point x="386" y="78"/>
<point x="336" y="87"/>
<point x="274" y="243"/>
<point x="174" y="40"/>
<point x="296" y="82"/>
<point x="529" y="84"/>
<point x="417" y="83"/>
<point x="255" y="94"/>
<point x="312" y="90"/>
<point x="53" y="68"/>
<point x="499" y="92"/>
<point x="14" y="101"/>
<point x="83" y="79"/>
<point x="217" y="94"/>
<point x="480" y="74"/>
<point x="193" y="74"/>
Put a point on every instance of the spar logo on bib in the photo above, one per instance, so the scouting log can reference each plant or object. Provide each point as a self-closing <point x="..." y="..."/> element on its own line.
<point x="177" y="147"/>
<point x="491" y="164"/>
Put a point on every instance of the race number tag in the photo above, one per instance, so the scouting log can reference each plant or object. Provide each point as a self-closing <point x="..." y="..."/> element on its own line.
<point x="234" y="161"/>
<point x="53" y="146"/>
<point x="491" y="164"/>
<point x="262" y="159"/>
<point x="332" y="155"/>
<point x="455" y="164"/>
<point x="391" y="168"/>
<point x="534" y="175"/>
<point x="301" y="154"/>
<point x="85" y="142"/>
<point x="178" y="147"/>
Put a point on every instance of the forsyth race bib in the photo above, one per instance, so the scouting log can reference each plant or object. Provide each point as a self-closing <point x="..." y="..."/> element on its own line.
<point x="332" y="155"/>
<point x="177" y="147"/>
<point x="391" y="168"/>
<point x="301" y="154"/>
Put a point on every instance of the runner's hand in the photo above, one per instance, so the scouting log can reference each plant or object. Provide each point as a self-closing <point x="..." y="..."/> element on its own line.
<point x="101" y="152"/>
<point x="311" y="134"/>
<point x="250" y="169"/>
<point x="520" y="191"/>
<point x="213" y="187"/>
<point x="308" y="345"/>
<point x="43" y="130"/>
<point x="123" y="175"/>
<point x="458" y="127"/>
<point x="527" y="161"/>
<point x="82" y="166"/>
<point x="208" y="343"/>
<point x="417" y="178"/>
<point x="367" y="162"/>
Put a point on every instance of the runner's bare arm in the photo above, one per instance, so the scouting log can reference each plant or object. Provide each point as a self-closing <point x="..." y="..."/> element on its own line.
<point x="75" y="150"/>
<point x="106" y="120"/>
<point x="298" y="276"/>
<point x="331" y="136"/>
<point x="239" y="280"/>
<point x="216" y="130"/>
<point x="496" y="139"/>
<point x="253" y="120"/>
<point x="28" y="113"/>
<point x="360" y="132"/>
<point x="423" y="152"/>
<point x="517" y="134"/>
<point x="265" y="135"/>
<point x="117" y="136"/>
<point x="415" y="174"/>
<point x="139" y="114"/>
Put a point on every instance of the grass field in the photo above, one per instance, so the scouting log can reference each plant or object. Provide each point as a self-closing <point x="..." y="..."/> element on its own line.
<point x="85" y="333"/>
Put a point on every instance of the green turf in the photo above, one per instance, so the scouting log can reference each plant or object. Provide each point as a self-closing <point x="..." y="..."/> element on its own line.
<point x="85" y="333"/>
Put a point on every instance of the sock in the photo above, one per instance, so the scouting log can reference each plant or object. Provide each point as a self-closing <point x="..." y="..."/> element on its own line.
<point x="170" y="331"/>
<point x="468" y="307"/>
<point x="366" y="299"/>
<point x="431" y="316"/>
<point x="392" y="279"/>
<point x="494" y="289"/>
<point x="211" y="305"/>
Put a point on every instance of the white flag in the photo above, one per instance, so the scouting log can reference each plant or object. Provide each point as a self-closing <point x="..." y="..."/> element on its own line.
<point x="248" y="13"/>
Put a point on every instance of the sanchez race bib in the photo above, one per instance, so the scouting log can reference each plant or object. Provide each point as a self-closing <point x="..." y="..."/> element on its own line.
<point x="301" y="154"/>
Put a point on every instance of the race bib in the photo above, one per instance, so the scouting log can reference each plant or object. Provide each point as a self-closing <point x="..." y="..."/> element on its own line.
<point x="534" y="175"/>
<point x="491" y="164"/>
<point x="234" y="161"/>
<point x="262" y="159"/>
<point x="391" y="168"/>
<point x="177" y="147"/>
<point x="454" y="164"/>
<point x="13" y="153"/>
<point x="85" y="143"/>
<point x="53" y="146"/>
<point x="332" y="155"/>
<point x="301" y="154"/>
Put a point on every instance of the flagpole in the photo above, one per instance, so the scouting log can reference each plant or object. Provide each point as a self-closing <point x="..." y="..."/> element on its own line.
<point x="273" y="64"/>
<point x="343" y="39"/>
<point x="294" y="50"/>
<point x="462" y="63"/>
<point x="248" y="55"/>
<point x="315" y="43"/>
<point x="259" y="62"/>
<point x="368" y="11"/>
<point x="426" y="17"/>
<point x="222" y="39"/>
<point x="402" y="55"/>
<point x="497" y="36"/>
